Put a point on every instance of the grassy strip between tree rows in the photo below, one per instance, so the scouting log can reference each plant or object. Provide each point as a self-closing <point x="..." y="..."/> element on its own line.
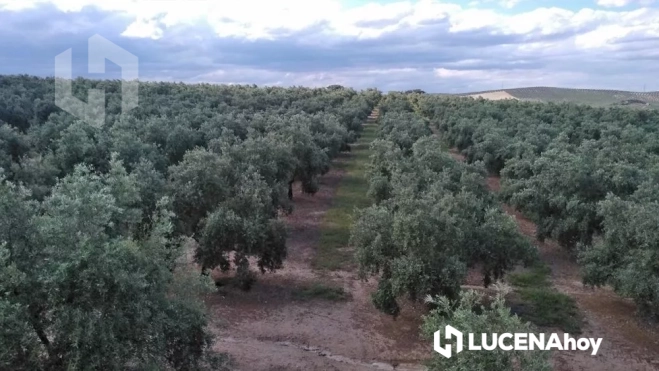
<point x="335" y="231"/>
<point x="535" y="300"/>
<point x="322" y="292"/>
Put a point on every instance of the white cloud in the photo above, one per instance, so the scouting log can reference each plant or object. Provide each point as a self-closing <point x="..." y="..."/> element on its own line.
<point x="602" y="36"/>
<point x="495" y="78"/>
<point x="404" y="42"/>
<point x="621" y="3"/>
<point x="265" y="19"/>
<point x="509" y="3"/>
<point x="144" y="28"/>
<point x="613" y="3"/>
<point x="448" y="73"/>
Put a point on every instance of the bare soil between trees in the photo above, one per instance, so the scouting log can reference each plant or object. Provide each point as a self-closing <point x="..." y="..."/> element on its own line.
<point x="268" y="328"/>
<point x="629" y="343"/>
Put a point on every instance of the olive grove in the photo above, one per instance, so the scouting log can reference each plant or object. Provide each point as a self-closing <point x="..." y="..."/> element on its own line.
<point x="95" y="221"/>
<point x="588" y="177"/>
<point x="432" y="217"/>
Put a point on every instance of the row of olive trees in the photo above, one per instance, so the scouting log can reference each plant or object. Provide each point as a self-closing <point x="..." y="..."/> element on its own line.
<point x="432" y="217"/>
<point x="227" y="156"/>
<point x="93" y="219"/>
<point x="587" y="176"/>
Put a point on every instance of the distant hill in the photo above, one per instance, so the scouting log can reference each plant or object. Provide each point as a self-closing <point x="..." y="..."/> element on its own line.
<point x="594" y="97"/>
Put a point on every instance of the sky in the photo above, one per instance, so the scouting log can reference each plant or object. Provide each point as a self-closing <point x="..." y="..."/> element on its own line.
<point x="437" y="46"/>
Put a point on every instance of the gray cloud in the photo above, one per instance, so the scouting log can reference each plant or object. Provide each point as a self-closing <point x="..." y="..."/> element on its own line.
<point x="405" y="58"/>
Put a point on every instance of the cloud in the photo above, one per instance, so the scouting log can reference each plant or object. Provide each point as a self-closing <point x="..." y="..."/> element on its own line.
<point x="426" y="44"/>
<point x="622" y="3"/>
<point x="509" y="3"/>
<point x="613" y="3"/>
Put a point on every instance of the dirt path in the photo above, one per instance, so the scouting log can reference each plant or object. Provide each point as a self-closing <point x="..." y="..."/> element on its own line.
<point x="628" y="343"/>
<point x="268" y="329"/>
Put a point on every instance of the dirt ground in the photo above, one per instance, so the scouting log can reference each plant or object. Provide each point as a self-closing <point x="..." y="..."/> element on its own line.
<point x="268" y="329"/>
<point x="629" y="343"/>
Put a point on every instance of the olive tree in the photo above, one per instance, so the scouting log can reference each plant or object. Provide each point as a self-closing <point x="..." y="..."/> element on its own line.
<point x="627" y="255"/>
<point x="470" y="314"/>
<point x="230" y="211"/>
<point x="433" y="219"/>
<point x="78" y="292"/>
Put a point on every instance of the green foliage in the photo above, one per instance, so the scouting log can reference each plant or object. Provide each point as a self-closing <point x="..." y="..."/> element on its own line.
<point x="434" y="220"/>
<point x="470" y="315"/>
<point x="403" y="129"/>
<point x="321" y="291"/>
<point x="331" y="253"/>
<point x="586" y="176"/>
<point x="627" y="256"/>
<point x="231" y="211"/>
<point x="77" y="292"/>
<point x="537" y="301"/>
<point x="549" y="308"/>
<point x="91" y="218"/>
<point x="536" y="276"/>
<point x="81" y="143"/>
<point x="384" y="298"/>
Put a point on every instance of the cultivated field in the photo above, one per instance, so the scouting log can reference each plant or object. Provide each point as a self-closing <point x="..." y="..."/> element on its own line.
<point x="494" y="95"/>
<point x="592" y="97"/>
